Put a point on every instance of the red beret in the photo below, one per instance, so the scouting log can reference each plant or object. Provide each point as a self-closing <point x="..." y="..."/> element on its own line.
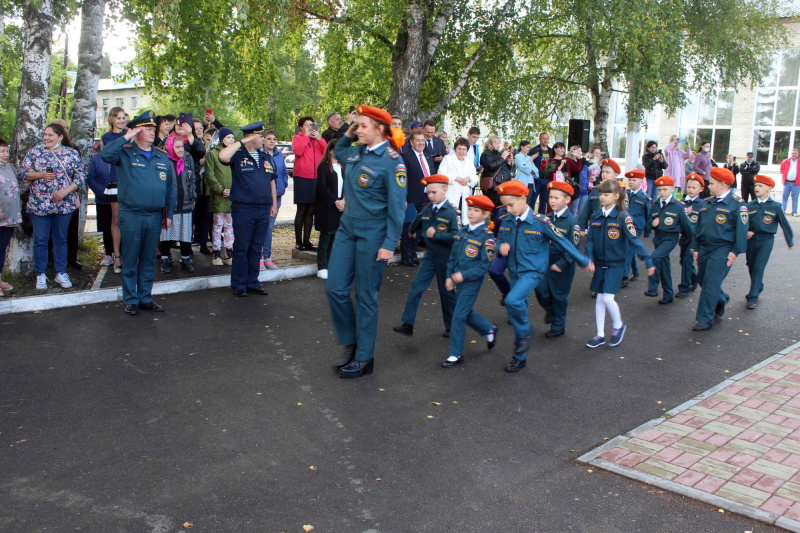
<point x="512" y="188"/>
<point x="375" y="112"/>
<point x="723" y="174"/>
<point x="480" y="201"/>
<point x="436" y="178"/>
<point x="635" y="173"/>
<point x="610" y="162"/>
<point x="664" y="181"/>
<point x="766" y="180"/>
<point x="561" y="186"/>
<point x="698" y="178"/>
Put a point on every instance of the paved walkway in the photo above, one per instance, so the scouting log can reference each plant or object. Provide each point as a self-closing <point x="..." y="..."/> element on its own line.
<point x="737" y="446"/>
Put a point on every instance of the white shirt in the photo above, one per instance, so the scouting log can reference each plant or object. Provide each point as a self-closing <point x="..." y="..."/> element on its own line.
<point x="722" y="196"/>
<point x="371" y="148"/>
<point x="524" y="215"/>
<point x="665" y="201"/>
<point x="792" y="175"/>
<point x="473" y="226"/>
<point x="338" y="169"/>
<point x="691" y="198"/>
<point x="438" y="207"/>
<point x="561" y="213"/>
<point x="606" y="212"/>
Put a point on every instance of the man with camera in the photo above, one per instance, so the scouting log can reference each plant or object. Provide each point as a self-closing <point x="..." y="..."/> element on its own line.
<point x="654" y="166"/>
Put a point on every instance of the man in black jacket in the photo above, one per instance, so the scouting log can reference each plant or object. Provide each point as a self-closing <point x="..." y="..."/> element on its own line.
<point x="335" y="123"/>
<point x="434" y="146"/>
<point x="749" y="169"/>
<point x="419" y="164"/>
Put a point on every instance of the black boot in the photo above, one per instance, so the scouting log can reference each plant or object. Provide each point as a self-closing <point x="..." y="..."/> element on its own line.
<point x="348" y="355"/>
<point x="166" y="268"/>
<point x="186" y="265"/>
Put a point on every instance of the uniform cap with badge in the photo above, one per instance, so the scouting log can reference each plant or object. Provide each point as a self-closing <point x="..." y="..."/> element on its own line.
<point x="512" y="188"/>
<point x="764" y="180"/>
<point x="635" y="173"/>
<point x="146" y="119"/>
<point x="436" y="178"/>
<point x="254" y="127"/>
<point x="611" y="163"/>
<point x="561" y="186"/>
<point x="723" y="174"/>
<point x="665" y="181"/>
<point x="396" y="137"/>
<point x="698" y="178"/>
<point x="481" y="202"/>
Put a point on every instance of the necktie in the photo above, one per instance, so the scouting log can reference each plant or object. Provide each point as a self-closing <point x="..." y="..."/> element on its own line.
<point x="430" y="146"/>
<point x="555" y="217"/>
<point x="663" y="203"/>
<point x="519" y="221"/>
<point x="425" y="172"/>
<point x="435" y="210"/>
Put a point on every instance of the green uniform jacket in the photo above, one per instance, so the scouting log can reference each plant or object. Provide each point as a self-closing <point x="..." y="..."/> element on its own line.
<point x="145" y="185"/>
<point x="765" y="218"/>
<point x="218" y="177"/>
<point x="445" y="223"/>
<point x="722" y="223"/>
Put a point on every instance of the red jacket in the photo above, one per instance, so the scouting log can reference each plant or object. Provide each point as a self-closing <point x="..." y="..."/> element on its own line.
<point x="307" y="155"/>
<point x="785" y="170"/>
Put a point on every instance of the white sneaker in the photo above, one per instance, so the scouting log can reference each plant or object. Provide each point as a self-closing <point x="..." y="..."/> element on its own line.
<point x="322" y="274"/>
<point x="41" y="281"/>
<point x="107" y="261"/>
<point x="63" y="280"/>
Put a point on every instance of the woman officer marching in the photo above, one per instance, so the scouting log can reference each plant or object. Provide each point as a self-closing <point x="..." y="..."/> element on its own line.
<point x="375" y="190"/>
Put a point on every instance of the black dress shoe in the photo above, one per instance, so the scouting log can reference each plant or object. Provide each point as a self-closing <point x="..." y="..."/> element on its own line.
<point x="451" y="364"/>
<point x="415" y="261"/>
<point x="522" y="345"/>
<point x="240" y="292"/>
<point x="553" y="333"/>
<point x="490" y="344"/>
<point x="187" y="266"/>
<point x="259" y="290"/>
<point x="75" y="265"/>
<point x="719" y="311"/>
<point x="446" y="333"/>
<point x="310" y="247"/>
<point x="166" y="268"/>
<point x="752" y="304"/>
<point x="407" y="263"/>
<point x="665" y="300"/>
<point x="650" y="294"/>
<point x="693" y="286"/>
<point x="624" y="284"/>
<point x="594" y="295"/>
<point x="503" y="300"/>
<point x="682" y="294"/>
<point x="516" y="365"/>
<point x="548" y="317"/>
<point x="132" y="309"/>
<point x="702" y="326"/>
<point x="347" y="357"/>
<point x="299" y="247"/>
<point x="633" y="278"/>
<point x="204" y="249"/>
<point x="151" y="306"/>
<point x="356" y="369"/>
<point x="405" y="329"/>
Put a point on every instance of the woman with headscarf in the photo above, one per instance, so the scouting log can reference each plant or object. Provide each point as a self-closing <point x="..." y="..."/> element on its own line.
<point x="186" y="194"/>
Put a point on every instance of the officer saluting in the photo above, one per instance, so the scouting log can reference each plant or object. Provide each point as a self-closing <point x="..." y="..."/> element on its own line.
<point x="254" y="200"/>
<point x="146" y="183"/>
<point x="720" y="236"/>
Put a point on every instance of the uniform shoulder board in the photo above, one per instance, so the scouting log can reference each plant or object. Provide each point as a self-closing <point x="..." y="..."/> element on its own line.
<point x="488" y="231"/>
<point x="426" y="203"/>
<point x="392" y="153"/>
<point x="541" y="217"/>
<point x="160" y="149"/>
<point x="127" y="146"/>
<point x="737" y="198"/>
<point x="454" y="209"/>
<point x="710" y="199"/>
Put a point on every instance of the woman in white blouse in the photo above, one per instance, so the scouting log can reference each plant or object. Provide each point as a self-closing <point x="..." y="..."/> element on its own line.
<point x="460" y="170"/>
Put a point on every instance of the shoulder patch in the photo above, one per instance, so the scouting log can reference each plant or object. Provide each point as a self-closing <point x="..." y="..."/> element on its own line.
<point x="392" y="153"/>
<point x="127" y="146"/>
<point x="628" y="219"/>
<point x="160" y="149"/>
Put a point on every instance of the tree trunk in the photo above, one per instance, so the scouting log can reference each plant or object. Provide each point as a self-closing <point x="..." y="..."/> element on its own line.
<point x="410" y="64"/>
<point x="84" y="106"/>
<point x="601" y="101"/>
<point x="31" y="109"/>
<point x="2" y="81"/>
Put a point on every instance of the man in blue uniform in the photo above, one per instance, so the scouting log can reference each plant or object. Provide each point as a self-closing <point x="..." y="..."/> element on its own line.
<point x="765" y="215"/>
<point x="147" y="196"/>
<point x="720" y="236"/>
<point x="638" y="207"/>
<point x="437" y="223"/>
<point x="669" y="221"/>
<point x="693" y="203"/>
<point x="525" y="237"/>
<point x="254" y="199"/>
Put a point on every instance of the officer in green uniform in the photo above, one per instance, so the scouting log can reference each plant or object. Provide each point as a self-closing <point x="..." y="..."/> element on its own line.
<point x="693" y="203"/>
<point x="437" y="223"/>
<point x="147" y="197"/>
<point x="375" y="189"/>
<point x="720" y="236"/>
<point x="765" y="215"/>
<point x="669" y="221"/>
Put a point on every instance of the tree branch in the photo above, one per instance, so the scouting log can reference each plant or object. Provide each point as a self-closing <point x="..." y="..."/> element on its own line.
<point x="438" y="27"/>
<point x="349" y="20"/>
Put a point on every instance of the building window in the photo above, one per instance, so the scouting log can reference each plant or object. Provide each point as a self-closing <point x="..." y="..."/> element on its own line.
<point x="776" y="120"/>
<point x="120" y="101"/>
<point x="105" y="111"/>
<point x="708" y="120"/>
<point x="133" y="103"/>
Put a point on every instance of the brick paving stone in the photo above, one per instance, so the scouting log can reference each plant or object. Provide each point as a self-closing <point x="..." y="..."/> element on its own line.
<point x="718" y="440"/>
<point x="789" y="490"/>
<point x="748" y="393"/>
<point x="710" y="484"/>
<point x="708" y="403"/>
<point x="694" y="446"/>
<point x="743" y="494"/>
<point x="795" y="479"/>
<point x="668" y="454"/>
<point x="728" y="418"/>
<point x="715" y="468"/>
<point x="654" y="470"/>
<point x="775" y="419"/>
<point x="744" y="446"/>
<point x="649" y="435"/>
<point x="752" y="384"/>
<point x="686" y="459"/>
<point x="721" y="454"/>
<point x="677" y="429"/>
<point x="690" y="478"/>
<point x="741" y="459"/>
<point x="681" y="418"/>
<point x="789" y="445"/>
<point x="773" y="469"/>
<point x="793" y="512"/>
<point x="615" y="454"/>
<point x="663" y="465"/>
<point x="777" y="456"/>
<point x="789" y="411"/>
<point x="753" y="403"/>
<point x="769" y="440"/>
<point x="750" y="411"/>
<point x="641" y="446"/>
<point x="750" y="435"/>
<point x="744" y="422"/>
<point x="724" y="406"/>
<point x="769" y="406"/>
<point x="794" y="402"/>
<point x="700" y="434"/>
<point x="667" y="438"/>
<point x="774" y="374"/>
<point x="772" y="429"/>
<point x="768" y="484"/>
<point x="776" y="505"/>
<point x="791" y="460"/>
<point x="747" y="477"/>
<point x="790" y="391"/>
<point x="632" y="459"/>
<point x="697" y="422"/>
<point x="725" y="429"/>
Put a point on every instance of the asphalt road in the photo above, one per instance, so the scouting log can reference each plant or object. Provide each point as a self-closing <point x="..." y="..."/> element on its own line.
<point x="225" y="413"/>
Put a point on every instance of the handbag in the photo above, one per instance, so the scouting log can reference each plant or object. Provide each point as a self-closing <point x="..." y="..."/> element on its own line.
<point x="64" y="170"/>
<point x="487" y="182"/>
<point x="558" y="176"/>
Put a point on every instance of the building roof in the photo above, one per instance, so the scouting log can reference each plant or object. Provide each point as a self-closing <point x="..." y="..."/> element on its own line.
<point x="110" y="84"/>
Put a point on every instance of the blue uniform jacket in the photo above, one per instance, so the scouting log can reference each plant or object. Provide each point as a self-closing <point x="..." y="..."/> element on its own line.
<point x="144" y="186"/>
<point x="765" y="218"/>
<point x="672" y="219"/>
<point x="472" y="253"/>
<point x="696" y="204"/>
<point x="530" y="244"/>
<point x="567" y="225"/>
<point x="608" y="239"/>
<point x="639" y="210"/>
<point x="445" y="223"/>
<point x="98" y="178"/>
<point x="723" y="223"/>
<point x="251" y="182"/>
<point x="374" y="185"/>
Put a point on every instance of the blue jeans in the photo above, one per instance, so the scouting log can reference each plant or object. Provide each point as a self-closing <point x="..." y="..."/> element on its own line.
<point x="576" y="205"/>
<point x="790" y="189"/>
<point x="267" y="251"/>
<point x="43" y="228"/>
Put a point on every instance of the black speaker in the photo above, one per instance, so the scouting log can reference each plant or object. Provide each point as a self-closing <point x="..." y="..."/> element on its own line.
<point x="578" y="133"/>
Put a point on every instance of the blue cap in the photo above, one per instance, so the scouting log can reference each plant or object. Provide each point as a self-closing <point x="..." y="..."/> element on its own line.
<point x="253" y="127"/>
<point x="224" y="132"/>
<point x="415" y="124"/>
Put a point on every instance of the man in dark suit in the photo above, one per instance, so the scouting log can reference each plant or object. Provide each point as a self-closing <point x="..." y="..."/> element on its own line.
<point x="434" y="146"/>
<point x="418" y="165"/>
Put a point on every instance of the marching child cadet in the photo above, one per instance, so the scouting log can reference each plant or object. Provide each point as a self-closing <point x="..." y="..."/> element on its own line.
<point x="553" y="291"/>
<point x="497" y="270"/>
<point x="611" y="232"/>
<point x="638" y="208"/>
<point x="692" y="202"/>
<point x="525" y="238"/>
<point x="668" y="219"/>
<point x="608" y="169"/>
<point x="473" y="251"/>
<point x="438" y="222"/>
<point x="765" y="214"/>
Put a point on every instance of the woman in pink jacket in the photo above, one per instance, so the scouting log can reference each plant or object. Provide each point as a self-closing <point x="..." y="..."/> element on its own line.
<point x="308" y="147"/>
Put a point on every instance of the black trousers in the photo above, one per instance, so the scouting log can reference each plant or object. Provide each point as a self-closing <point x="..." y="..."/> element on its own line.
<point x="748" y="187"/>
<point x="72" y="237"/>
<point x="202" y="220"/>
<point x="104" y="226"/>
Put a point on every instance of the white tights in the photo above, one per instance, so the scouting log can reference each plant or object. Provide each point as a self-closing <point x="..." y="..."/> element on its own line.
<point x="605" y="301"/>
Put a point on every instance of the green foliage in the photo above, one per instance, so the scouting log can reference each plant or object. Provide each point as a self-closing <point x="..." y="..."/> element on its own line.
<point x="10" y="69"/>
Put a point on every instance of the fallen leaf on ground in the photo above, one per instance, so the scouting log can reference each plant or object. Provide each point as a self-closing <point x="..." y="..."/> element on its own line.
<point x="429" y="416"/>
<point x="291" y="316"/>
<point x="188" y="525"/>
<point x="590" y="470"/>
<point x="259" y="393"/>
<point x="299" y="403"/>
<point x="308" y="528"/>
<point x="382" y="390"/>
<point x="436" y="403"/>
<point x="312" y="467"/>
